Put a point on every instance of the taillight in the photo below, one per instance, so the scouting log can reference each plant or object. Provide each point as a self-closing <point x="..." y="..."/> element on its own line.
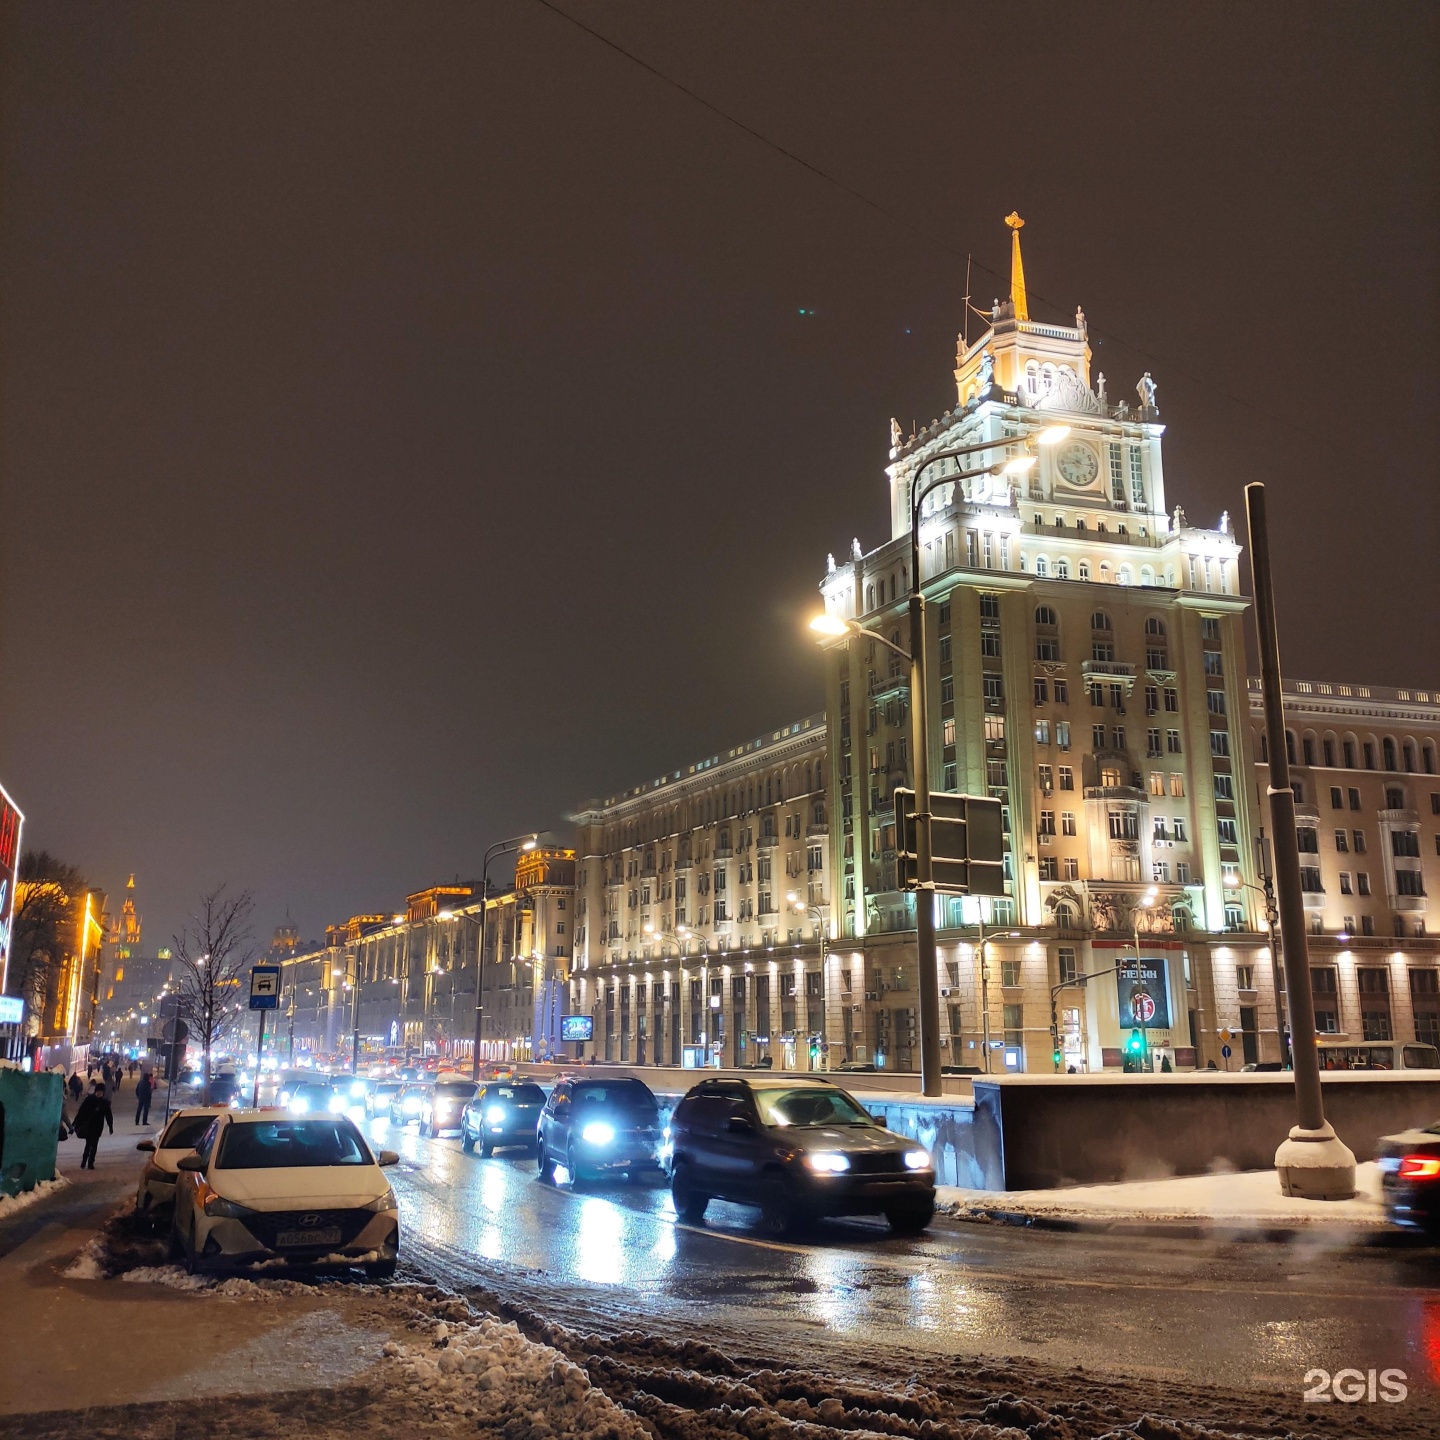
<point x="1419" y="1167"/>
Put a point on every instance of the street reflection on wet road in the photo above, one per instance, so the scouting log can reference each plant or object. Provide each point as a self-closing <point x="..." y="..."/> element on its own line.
<point x="1231" y="1314"/>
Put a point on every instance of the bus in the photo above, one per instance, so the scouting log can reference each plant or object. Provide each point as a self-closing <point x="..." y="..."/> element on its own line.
<point x="1377" y="1055"/>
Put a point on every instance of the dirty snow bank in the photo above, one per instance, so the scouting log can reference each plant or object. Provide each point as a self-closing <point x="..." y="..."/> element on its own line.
<point x="1249" y="1198"/>
<point x="491" y="1372"/>
<point x="11" y="1204"/>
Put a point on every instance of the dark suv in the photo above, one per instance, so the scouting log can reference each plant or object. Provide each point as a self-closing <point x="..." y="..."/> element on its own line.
<point x="794" y="1147"/>
<point x="599" y="1127"/>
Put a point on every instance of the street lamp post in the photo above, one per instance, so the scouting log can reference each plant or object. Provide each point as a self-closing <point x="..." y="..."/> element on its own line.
<point x="930" y="1083"/>
<point x="501" y="847"/>
<point x="1312" y="1161"/>
<point x="817" y="914"/>
<point x="682" y="935"/>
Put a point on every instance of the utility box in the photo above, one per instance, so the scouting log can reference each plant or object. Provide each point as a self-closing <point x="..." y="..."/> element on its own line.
<point x="29" y="1129"/>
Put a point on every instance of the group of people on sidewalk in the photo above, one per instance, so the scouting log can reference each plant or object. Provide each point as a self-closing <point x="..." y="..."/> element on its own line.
<point x="94" y="1113"/>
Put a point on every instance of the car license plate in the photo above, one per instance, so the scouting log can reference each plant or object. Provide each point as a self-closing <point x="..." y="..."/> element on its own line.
<point x="308" y="1237"/>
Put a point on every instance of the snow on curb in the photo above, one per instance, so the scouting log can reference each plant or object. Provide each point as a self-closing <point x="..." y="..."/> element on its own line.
<point x="1249" y="1199"/>
<point x="490" y="1371"/>
<point x="10" y="1204"/>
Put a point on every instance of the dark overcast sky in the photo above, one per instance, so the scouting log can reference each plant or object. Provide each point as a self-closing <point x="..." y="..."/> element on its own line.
<point x="409" y="430"/>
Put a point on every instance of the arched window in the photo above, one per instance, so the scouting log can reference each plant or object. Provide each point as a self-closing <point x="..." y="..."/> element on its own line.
<point x="894" y="658"/>
<point x="1407" y="749"/>
<point x="1044" y="615"/>
<point x="1147" y="575"/>
<point x="1154" y="626"/>
<point x="1394" y="798"/>
<point x="1428" y="752"/>
<point x="1041" y="568"/>
<point x="1064" y="916"/>
<point x="1032" y="376"/>
<point x="1062" y="569"/>
<point x="1388" y="744"/>
<point x="1100" y="621"/>
<point x="1083" y="570"/>
<point x="1123" y="576"/>
<point x="1290" y="747"/>
<point x="869" y="597"/>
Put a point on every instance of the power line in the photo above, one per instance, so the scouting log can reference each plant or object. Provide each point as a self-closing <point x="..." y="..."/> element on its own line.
<point x="902" y="221"/>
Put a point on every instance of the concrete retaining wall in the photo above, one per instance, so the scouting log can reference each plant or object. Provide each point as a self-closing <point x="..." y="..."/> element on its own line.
<point x="1082" y="1130"/>
<point x="29" y="1129"/>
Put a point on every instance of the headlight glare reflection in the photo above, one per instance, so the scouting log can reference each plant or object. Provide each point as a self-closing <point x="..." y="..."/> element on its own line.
<point x="597" y="1132"/>
<point x="828" y="1162"/>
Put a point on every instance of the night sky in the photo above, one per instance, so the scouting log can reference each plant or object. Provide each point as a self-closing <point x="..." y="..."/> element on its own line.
<point x="413" y="425"/>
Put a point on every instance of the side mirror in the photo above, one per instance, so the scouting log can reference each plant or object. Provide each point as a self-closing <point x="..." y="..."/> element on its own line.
<point x="740" y="1125"/>
<point x="191" y="1162"/>
<point x="881" y="1121"/>
<point x="388" y="1157"/>
<point x="146" y="1145"/>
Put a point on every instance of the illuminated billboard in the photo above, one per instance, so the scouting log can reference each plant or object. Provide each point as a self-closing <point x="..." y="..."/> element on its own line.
<point x="11" y="823"/>
<point x="577" y="1027"/>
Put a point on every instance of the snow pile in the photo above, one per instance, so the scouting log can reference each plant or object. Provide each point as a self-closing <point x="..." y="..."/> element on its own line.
<point x="9" y="1204"/>
<point x="490" y="1371"/>
<point x="1250" y="1198"/>
<point x="90" y="1263"/>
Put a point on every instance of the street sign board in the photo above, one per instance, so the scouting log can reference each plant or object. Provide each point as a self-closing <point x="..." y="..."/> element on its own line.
<point x="12" y="1009"/>
<point x="265" y="987"/>
<point x="966" y="841"/>
<point x="1226" y="1051"/>
<point x="1226" y="1036"/>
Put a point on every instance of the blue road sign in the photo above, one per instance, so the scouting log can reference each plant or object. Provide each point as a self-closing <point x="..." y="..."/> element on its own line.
<point x="265" y="987"/>
<point x="1226" y="1051"/>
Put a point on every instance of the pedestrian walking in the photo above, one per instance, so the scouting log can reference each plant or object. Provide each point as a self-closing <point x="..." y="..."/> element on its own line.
<point x="91" y="1119"/>
<point x="76" y="1087"/>
<point x="132" y="1069"/>
<point x="143" y="1091"/>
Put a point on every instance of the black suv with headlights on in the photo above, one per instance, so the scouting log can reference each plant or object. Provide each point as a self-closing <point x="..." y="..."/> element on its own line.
<point x="595" y="1128"/>
<point x="794" y="1147"/>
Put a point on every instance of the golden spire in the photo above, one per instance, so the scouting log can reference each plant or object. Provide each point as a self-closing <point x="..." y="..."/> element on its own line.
<point x="1017" y="269"/>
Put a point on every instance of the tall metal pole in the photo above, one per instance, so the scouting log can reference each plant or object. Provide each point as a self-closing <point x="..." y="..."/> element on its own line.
<point x="1312" y="1162"/>
<point x="1272" y="915"/>
<point x="984" y="999"/>
<point x="259" y="1060"/>
<point x="480" y="971"/>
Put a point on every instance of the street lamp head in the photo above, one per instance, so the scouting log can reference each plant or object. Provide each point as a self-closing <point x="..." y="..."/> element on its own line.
<point x="1018" y="466"/>
<point x="1233" y="881"/>
<point x="1150" y="895"/>
<point x="444" y="914"/>
<point x="531" y="843"/>
<point x="649" y="928"/>
<point x="829" y="625"/>
<point x="1052" y="434"/>
<point x="397" y="920"/>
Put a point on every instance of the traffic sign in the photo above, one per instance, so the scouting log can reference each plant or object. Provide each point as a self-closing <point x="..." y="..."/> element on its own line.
<point x="966" y="842"/>
<point x="265" y="987"/>
<point x="1226" y="1051"/>
<point x="1227" y="1036"/>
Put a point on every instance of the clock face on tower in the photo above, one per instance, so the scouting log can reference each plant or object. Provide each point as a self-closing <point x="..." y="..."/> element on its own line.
<point x="1078" y="464"/>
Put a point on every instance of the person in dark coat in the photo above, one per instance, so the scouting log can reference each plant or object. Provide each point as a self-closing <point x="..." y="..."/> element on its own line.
<point x="91" y="1119"/>
<point x="144" y="1089"/>
<point x="77" y="1086"/>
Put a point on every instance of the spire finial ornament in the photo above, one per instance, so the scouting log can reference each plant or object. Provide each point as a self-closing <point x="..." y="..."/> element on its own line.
<point x="1017" y="269"/>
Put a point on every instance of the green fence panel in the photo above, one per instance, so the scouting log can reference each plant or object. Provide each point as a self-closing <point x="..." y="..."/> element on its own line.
<point x="29" y="1129"/>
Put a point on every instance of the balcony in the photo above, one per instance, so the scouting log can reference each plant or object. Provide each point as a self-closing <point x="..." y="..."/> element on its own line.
<point x="766" y="842"/>
<point x="1107" y="669"/>
<point x="889" y="687"/>
<point x="1313" y="899"/>
<point x="1130" y="794"/>
<point x="814" y="831"/>
<point x="1409" y="904"/>
<point x="1400" y="819"/>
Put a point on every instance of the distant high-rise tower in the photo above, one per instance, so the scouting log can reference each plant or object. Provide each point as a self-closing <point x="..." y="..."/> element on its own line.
<point x="125" y="929"/>
<point x="286" y="938"/>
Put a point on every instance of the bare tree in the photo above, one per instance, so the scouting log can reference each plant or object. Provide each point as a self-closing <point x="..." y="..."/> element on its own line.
<point x="41" y="928"/>
<point x="213" y="952"/>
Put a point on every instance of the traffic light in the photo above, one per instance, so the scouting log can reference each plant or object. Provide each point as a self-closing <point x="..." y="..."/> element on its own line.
<point x="1136" y="1053"/>
<point x="1136" y="1043"/>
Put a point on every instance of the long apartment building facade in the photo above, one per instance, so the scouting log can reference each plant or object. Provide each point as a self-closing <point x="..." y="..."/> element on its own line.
<point x="407" y="981"/>
<point x="704" y="912"/>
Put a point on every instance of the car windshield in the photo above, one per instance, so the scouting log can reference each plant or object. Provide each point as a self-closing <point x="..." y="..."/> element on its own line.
<point x="314" y="1087"/>
<point x="291" y="1144"/>
<point x="622" y="1094"/>
<point x="455" y="1087"/>
<point x="811" y="1105"/>
<point x="185" y="1132"/>
<point x="387" y="1087"/>
<point x="520" y="1094"/>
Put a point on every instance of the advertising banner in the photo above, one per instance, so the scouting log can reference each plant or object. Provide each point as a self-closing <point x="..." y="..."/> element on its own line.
<point x="11" y="823"/>
<point x="576" y="1028"/>
<point x="1143" y="992"/>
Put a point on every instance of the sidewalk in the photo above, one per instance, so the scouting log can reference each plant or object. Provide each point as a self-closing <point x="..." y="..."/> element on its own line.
<point x="1236" y="1204"/>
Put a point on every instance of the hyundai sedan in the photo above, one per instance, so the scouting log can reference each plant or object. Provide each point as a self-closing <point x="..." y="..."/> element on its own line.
<point x="262" y="1185"/>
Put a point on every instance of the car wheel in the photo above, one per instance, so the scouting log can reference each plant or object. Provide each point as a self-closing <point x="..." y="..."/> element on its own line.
<point x="690" y="1203"/>
<point x="572" y="1167"/>
<point x="487" y="1149"/>
<point x="380" y="1270"/>
<point x="467" y="1141"/>
<point x="910" y="1219"/>
<point x="777" y="1208"/>
<point x="191" y="1255"/>
<point x="546" y="1165"/>
<point x="175" y="1249"/>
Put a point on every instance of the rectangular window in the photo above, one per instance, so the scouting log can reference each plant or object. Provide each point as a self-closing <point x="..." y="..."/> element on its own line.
<point x="1244" y="977"/>
<point x="1177" y="830"/>
<point x="994" y="726"/>
<point x="1215" y="701"/>
<point x="1137" y="477"/>
<point x="1160" y="872"/>
<point x="1047" y="778"/>
<point x="947" y="689"/>
<point x="944" y="649"/>
<point x="1042" y="732"/>
<point x="1067" y="822"/>
<point x="1070" y="868"/>
<point x="1042" y="689"/>
<point x="1172" y="742"/>
<point x="1172" y="700"/>
<point x="1117" y="475"/>
<point x="1048" y="868"/>
<point x="1225" y="829"/>
<point x="1047" y="822"/>
<point x="1010" y="973"/>
<point x="1358" y="841"/>
<point x="1067" y="777"/>
<point x="1345" y="883"/>
<point x="994" y="688"/>
<point x="1177" y="785"/>
<point x="1157" y="782"/>
<point x="1409" y="882"/>
<point x="1152" y="699"/>
<point x="1062" y="734"/>
<point x="947" y="730"/>
<point x="1225" y="788"/>
<point x="1066" y="965"/>
<point x="1220" y="743"/>
<point x="1310" y="880"/>
<point x="1097" y="695"/>
<point x="1152" y="744"/>
<point x="1354" y="798"/>
<point x="1062" y="692"/>
<point x="1119" y="737"/>
<point x="1405" y="842"/>
<point x="1337" y="799"/>
<point x="1362" y="882"/>
<point x="1182" y="873"/>
<point x="1097" y="737"/>
<point x="990" y="643"/>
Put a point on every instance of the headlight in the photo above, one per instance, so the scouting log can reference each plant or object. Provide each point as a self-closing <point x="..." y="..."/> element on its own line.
<point x="283" y="1097"/>
<point x="597" y="1132"/>
<point x="227" y="1209"/>
<point x="412" y="1104"/>
<point x="916" y="1160"/>
<point x="299" y="1105"/>
<point x="337" y="1104"/>
<point x="495" y="1115"/>
<point x="828" y="1162"/>
<point x="357" y="1088"/>
<point x="382" y="1202"/>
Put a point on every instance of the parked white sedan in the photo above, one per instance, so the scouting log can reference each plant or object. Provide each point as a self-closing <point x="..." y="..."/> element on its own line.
<point x="264" y="1185"/>
<point x="155" y="1197"/>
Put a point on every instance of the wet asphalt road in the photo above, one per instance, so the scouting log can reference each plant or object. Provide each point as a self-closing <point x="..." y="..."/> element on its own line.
<point x="1244" y="1316"/>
